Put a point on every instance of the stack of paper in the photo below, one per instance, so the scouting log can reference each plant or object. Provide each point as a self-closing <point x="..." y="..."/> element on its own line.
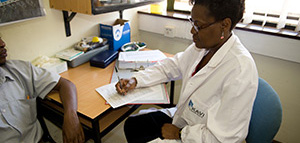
<point x="139" y="59"/>
<point x="69" y="54"/>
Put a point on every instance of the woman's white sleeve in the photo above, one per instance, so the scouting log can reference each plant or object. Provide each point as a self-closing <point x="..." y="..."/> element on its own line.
<point x="163" y="71"/>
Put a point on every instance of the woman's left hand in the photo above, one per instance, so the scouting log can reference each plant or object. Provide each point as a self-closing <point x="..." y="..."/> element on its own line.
<point x="170" y="131"/>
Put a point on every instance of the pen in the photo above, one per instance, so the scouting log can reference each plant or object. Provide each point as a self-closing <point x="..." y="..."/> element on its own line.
<point x="117" y="72"/>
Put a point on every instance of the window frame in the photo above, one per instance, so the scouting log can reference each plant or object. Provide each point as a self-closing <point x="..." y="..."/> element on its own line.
<point x="256" y="25"/>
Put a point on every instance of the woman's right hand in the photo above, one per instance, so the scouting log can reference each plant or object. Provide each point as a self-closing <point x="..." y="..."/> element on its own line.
<point x="126" y="85"/>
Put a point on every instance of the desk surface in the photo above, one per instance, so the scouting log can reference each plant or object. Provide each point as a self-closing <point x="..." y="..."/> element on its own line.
<point x="87" y="79"/>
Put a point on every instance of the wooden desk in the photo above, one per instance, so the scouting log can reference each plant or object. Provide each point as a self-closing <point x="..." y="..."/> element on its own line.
<point x="96" y="117"/>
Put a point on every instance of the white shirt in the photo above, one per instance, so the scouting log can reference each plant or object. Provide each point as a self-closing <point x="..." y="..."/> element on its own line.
<point x="215" y="104"/>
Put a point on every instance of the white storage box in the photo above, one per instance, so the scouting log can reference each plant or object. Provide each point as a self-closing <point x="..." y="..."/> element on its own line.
<point x="52" y="64"/>
<point x="58" y="67"/>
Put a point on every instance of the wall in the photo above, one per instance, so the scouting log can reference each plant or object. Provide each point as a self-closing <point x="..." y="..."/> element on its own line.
<point x="46" y="35"/>
<point x="269" y="53"/>
<point x="283" y="48"/>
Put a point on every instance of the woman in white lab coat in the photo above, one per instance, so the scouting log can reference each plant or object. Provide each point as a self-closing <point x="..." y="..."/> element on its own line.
<point x="219" y="83"/>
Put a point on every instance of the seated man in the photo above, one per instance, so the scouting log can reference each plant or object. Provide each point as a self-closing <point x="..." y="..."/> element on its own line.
<point x="20" y="84"/>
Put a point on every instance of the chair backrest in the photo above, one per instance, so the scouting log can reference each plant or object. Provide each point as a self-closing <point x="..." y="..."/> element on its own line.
<point x="266" y="115"/>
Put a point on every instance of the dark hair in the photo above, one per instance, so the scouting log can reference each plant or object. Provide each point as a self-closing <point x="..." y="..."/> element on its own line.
<point x="221" y="9"/>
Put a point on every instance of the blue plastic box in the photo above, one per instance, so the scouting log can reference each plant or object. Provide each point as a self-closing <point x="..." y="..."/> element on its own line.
<point x="117" y="34"/>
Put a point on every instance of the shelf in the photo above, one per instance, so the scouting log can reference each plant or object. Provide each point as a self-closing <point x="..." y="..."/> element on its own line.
<point x="121" y="6"/>
<point x="94" y="7"/>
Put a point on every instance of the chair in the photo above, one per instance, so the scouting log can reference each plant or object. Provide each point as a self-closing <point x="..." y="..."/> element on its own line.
<point x="46" y="138"/>
<point x="266" y="115"/>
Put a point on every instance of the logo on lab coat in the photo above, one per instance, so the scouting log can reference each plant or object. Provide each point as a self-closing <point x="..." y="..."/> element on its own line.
<point x="194" y="110"/>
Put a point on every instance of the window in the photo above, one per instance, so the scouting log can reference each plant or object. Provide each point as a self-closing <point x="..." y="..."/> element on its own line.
<point x="182" y="5"/>
<point x="274" y="13"/>
<point x="277" y="14"/>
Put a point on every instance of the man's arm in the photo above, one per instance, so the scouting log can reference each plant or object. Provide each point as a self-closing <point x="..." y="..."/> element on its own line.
<point x="72" y="130"/>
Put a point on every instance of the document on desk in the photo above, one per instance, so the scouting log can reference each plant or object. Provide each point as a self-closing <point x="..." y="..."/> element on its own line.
<point x="158" y="96"/>
<point x="134" y="60"/>
<point x="109" y="93"/>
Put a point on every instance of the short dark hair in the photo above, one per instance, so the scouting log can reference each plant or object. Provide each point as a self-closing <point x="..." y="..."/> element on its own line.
<point x="221" y="9"/>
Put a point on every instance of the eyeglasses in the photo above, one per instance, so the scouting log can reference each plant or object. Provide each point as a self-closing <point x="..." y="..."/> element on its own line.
<point x="198" y="28"/>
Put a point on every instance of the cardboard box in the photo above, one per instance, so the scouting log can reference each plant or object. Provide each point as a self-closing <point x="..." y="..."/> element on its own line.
<point x="117" y="34"/>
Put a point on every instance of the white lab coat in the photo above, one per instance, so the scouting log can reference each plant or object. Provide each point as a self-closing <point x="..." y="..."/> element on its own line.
<point x="215" y="104"/>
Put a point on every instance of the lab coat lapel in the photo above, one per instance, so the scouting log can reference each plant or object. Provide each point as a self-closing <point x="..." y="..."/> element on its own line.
<point x="193" y="84"/>
<point x="199" y="78"/>
<point x="189" y="86"/>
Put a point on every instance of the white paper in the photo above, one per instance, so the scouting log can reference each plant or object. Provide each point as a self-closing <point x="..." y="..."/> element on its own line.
<point x="158" y="96"/>
<point x="139" y="59"/>
<point x="69" y="54"/>
<point x="168" y="111"/>
<point x="109" y="93"/>
<point x="144" y="56"/>
<point x="158" y="140"/>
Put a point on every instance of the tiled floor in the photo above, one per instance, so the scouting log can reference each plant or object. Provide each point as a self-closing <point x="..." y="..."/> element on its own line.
<point x="114" y="136"/>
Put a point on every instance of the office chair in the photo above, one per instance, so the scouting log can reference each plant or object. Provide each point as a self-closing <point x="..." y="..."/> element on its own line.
<point x="266" y="115"/>
<point x="46" y="138"/>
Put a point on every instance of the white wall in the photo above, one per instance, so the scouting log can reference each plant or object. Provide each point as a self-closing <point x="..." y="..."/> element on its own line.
<point x="277" y="68"/>
<point x="269" y="45"/>
<point x="46" y="35"/>
<point x="274" y="46"/>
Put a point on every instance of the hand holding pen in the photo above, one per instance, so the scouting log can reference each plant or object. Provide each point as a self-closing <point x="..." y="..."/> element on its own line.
<point x="125" y="85"/>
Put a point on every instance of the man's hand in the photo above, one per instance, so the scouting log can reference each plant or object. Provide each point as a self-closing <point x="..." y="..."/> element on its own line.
<point x="126" y="84"/>
<point x="170" y="131"/>
<point x="72" y="130"/>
